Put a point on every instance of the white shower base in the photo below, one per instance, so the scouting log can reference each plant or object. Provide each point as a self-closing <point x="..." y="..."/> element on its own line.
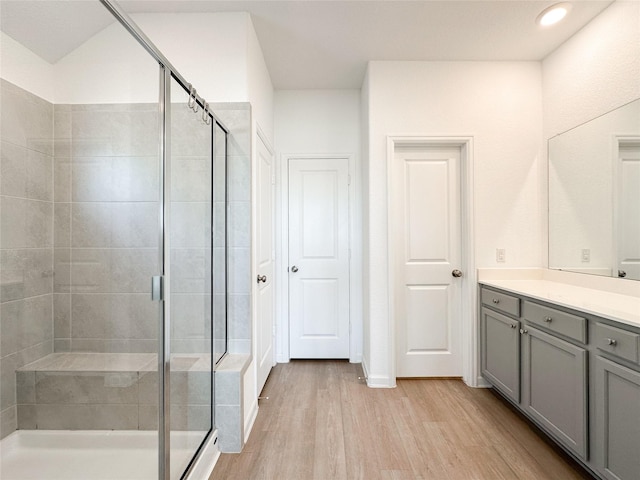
<point x="91" y="454"/>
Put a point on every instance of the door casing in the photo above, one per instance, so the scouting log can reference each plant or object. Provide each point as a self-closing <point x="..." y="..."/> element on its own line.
<point x="470" y="351"/>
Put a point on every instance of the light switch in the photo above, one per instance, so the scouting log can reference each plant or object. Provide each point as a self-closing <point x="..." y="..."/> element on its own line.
<point x="586" y="255"/>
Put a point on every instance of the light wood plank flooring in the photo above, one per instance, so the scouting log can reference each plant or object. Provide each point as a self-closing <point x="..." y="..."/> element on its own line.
<point x="320" y="422"/>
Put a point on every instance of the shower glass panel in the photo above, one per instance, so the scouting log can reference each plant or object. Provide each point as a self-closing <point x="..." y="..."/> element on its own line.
<point x="190" y="275"/>
<point x="79" y="241"/>
<point x="220" y="244"/>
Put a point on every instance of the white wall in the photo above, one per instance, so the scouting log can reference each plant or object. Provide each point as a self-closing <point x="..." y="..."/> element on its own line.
<point x="259" y="87"/>
<point x="209" y="50"/>
<point x="110" y="67"/>
<point x="25" y="69"/>
<point x="316" y="122"/>
<point x="595" y="71"/>
<point x="499" y="104"/>
<point x="364" y="176"/>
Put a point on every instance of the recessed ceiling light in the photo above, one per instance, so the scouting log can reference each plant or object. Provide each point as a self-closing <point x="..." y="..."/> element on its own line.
<point x="553" y="14"/>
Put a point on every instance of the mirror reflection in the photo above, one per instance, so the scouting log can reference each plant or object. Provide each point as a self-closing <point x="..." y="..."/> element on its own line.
<point x="594" y="196"/>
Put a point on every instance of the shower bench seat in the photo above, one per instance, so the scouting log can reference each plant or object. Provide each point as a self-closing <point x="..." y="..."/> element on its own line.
<point x="111" y="391"/>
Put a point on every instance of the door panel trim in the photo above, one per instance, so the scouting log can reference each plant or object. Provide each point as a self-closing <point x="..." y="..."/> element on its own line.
<point x="469" y="324"/>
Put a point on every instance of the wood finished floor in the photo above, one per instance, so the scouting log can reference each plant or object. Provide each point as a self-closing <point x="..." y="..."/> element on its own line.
<point x="320" y="422"/>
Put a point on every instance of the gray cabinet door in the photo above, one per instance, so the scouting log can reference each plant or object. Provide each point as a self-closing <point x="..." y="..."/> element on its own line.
<point x="617" y="426"/>
<point x="554" y="387"/>
<point x="500" y="352"/>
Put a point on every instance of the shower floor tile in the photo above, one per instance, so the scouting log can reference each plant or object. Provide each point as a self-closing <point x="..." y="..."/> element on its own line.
<point x="98" y="455"/>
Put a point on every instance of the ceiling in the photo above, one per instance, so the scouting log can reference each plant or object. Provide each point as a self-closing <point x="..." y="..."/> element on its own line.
<point x="326" y="43"/>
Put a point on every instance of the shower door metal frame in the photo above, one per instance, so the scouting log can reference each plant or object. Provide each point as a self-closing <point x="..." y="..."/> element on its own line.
<point x="167" y="72"/>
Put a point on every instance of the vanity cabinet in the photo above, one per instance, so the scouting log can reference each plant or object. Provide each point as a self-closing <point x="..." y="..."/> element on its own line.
<point x="500" y="362"/>
<point x="554" y="387"/>
<point x="576" y="375"/>
<point x="617" y="422"/>
<point x="617" y="390"/>
<point x="543" y="372"/>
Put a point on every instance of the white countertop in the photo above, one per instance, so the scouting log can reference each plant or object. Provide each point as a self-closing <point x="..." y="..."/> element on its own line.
<point x="614" y="306"/>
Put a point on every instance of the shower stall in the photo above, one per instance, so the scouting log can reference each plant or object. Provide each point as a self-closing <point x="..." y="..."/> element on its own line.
<point x="113" y="252"/>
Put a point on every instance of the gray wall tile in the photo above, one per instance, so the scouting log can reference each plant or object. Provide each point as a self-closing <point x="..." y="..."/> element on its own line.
<point x="147" y="417"/>
<point x="13" y="170"/>
<point x="8" y="421"/>
<point x="26" y="387"/>
<point x="91" y="225"/>
<point x="191" y="179"/>
<point x="90" y="270"/>
<point x="27" y="419"/>
<point x="62" y="225"/>
<point x="39" y="181"/>
<point x="87" y="417"/>
<point x="8" y="366"/>
<point x="191" y="224"/>
<point x="62" y="169"/>
<point x="13" y="222"/>
<point x="38" y="224"/>
<point x="228" y="385"/>
<point x="229" y="423"/>
<point x="62" y="270"/>
<point x="132" y="268"/>
<point x="135" y="225"/>
<point x="86" y="388"/>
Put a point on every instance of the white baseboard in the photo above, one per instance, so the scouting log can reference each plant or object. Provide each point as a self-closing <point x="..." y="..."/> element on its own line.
<point x="481" y="383"/>
<point x="250" y="420"/>
<point x="377" y="381"/>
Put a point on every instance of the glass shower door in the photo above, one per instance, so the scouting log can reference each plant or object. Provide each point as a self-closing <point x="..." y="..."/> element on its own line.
<point x="189" y="242"/>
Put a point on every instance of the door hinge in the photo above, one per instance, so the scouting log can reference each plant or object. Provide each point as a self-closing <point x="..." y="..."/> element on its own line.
<point x="157" y="288"/>
<point x="348" y="179"/>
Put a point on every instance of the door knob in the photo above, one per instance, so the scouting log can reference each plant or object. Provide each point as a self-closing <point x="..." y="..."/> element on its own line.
<point x="456" y="273"/>
<point x="262" y="278"/>
<point x="294" y="269"/>
<point x="622" y="273"/>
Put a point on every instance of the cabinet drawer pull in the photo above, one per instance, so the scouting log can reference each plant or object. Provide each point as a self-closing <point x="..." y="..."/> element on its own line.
<point x="612" y="341"/>
<point x="524" y="331"/>
<point x="513" y="325"/>
<point x="496" y="301"/>
<point x="548" y="319"/>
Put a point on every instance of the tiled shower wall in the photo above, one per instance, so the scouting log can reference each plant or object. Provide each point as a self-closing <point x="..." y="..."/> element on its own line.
<point x="26" y="239"/>
<point x="106" y="239"/>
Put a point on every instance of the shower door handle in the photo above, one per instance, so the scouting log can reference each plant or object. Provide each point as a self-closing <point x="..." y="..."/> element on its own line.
<point x="157" y="288"/>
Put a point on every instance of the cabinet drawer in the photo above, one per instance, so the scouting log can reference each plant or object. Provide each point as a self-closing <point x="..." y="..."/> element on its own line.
<point x="570" y="326"/>
<point x="617" y="341"/>
<point x="501" y="301"/>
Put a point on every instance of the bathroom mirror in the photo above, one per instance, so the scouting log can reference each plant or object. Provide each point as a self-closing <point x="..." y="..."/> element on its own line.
<point x="594" y="196"/>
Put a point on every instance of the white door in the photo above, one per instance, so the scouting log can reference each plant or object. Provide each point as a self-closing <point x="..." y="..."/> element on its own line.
<point x="319" y="258"/>
<point x="628" y="214"/>
<point x="425" y="221"/>
<point x="265" y="260"/>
